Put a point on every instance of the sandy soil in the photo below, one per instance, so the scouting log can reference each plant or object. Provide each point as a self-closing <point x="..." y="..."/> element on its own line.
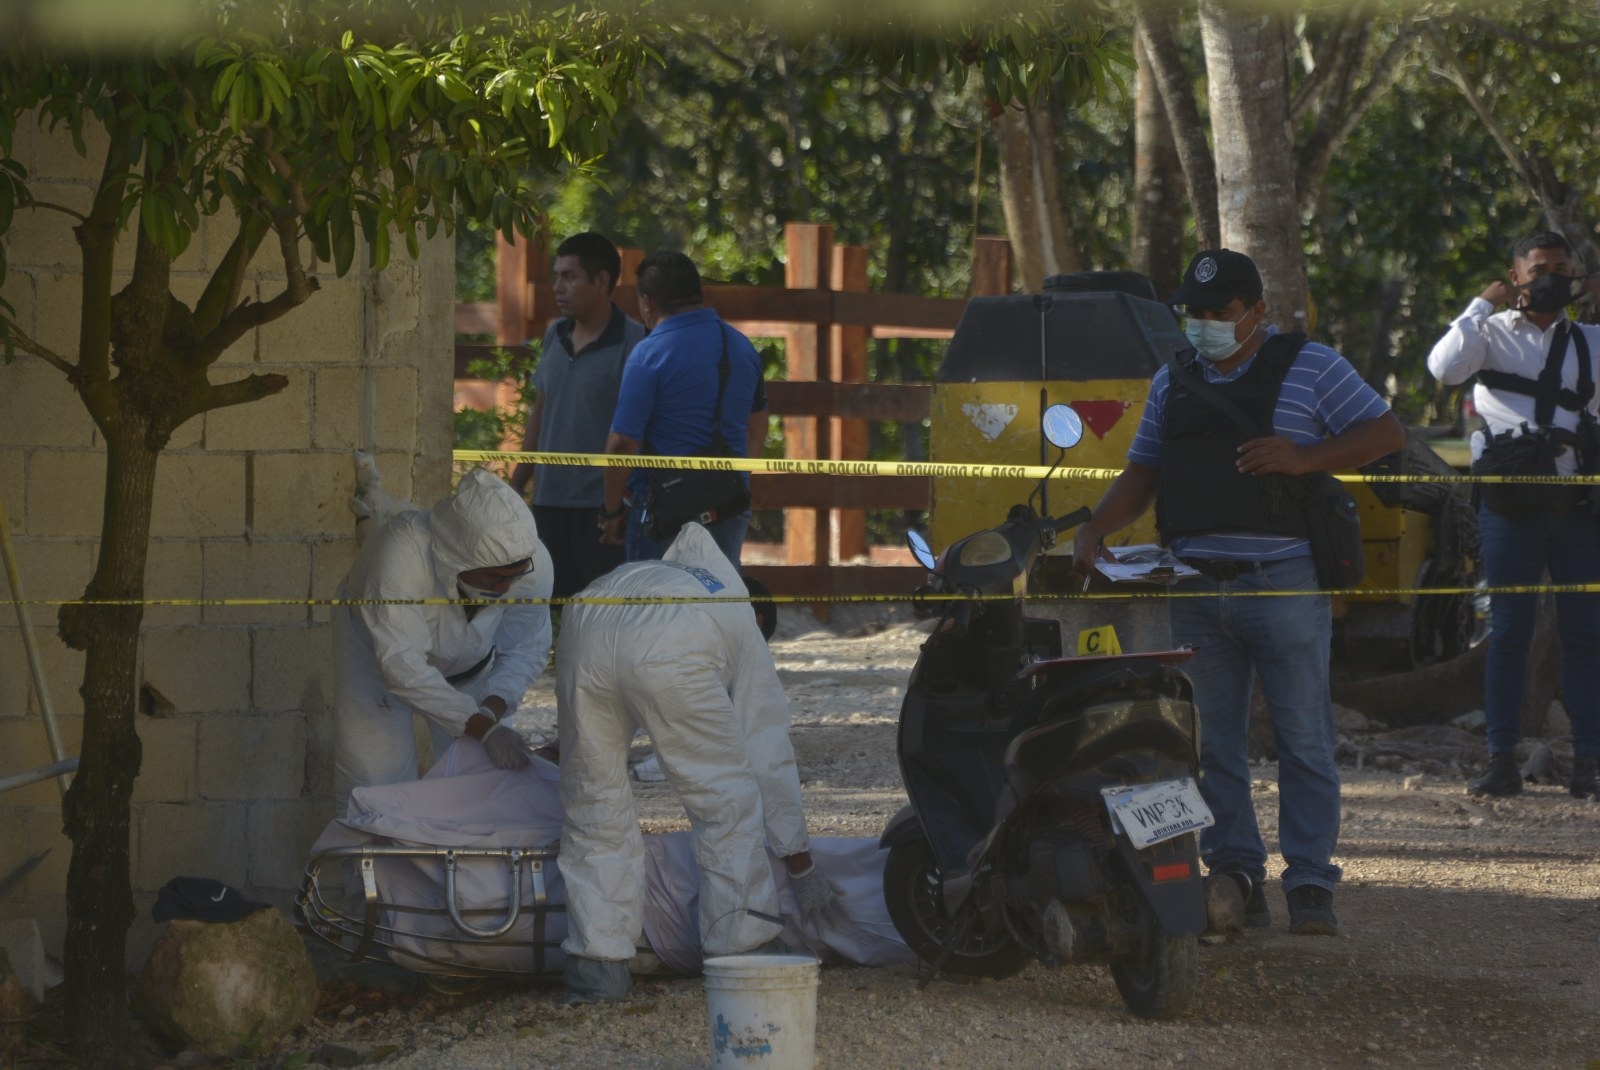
<point x="1471" y="937"/>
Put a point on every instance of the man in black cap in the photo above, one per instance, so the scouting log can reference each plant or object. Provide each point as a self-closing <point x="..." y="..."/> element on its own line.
<point x="1221" y="505"/>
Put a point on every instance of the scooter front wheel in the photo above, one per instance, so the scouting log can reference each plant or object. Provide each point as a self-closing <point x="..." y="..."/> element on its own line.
<point x="1159" y="980"/>
<point x="915" y="897"/>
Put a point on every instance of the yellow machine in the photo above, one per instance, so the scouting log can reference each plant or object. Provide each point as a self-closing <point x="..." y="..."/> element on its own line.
<point x="1093" y="341"/>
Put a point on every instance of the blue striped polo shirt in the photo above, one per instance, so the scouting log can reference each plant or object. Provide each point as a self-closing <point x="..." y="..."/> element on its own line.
<point x="1322" y="396"/>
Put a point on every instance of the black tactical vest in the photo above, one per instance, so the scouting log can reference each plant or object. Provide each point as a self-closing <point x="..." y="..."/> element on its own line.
<point x="1201" y="492"/>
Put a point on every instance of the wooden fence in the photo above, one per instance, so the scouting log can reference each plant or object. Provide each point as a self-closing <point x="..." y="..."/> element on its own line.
<point x="826" y="316"/>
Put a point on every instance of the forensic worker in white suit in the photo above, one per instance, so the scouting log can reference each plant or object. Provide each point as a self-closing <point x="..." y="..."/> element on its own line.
<point x="698" y="677"/>
<point x="463" y="668"/>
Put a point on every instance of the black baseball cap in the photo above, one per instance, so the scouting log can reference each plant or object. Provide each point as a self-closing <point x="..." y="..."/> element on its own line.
<point x="1215" y="277"/>
<point x="202" y="899"/>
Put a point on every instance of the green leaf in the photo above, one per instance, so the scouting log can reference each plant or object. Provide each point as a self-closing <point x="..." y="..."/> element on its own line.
<point x="344" y="242"/>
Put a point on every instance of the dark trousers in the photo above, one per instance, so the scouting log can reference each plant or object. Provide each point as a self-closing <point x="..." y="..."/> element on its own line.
<point x="574" y="544"/>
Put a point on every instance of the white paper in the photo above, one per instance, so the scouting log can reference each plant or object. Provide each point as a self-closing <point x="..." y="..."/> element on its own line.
<point x="1147" y="563"/>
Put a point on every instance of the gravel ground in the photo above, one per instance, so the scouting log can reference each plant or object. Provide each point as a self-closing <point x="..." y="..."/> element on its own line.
<point x="1471" y="938"/>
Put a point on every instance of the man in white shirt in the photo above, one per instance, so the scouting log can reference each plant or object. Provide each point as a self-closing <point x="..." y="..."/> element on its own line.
<point x="1524" y="534"/>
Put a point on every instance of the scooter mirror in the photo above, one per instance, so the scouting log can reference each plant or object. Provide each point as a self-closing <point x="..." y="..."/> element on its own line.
<point x="1063" y="427"/>
<point x="921" y="550"/>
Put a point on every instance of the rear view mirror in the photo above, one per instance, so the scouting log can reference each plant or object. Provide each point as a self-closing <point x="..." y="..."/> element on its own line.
<point x="1063" y="427"/>
<point x="921" y="550"/>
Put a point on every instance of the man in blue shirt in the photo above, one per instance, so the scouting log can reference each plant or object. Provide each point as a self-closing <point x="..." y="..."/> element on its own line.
<point x="1221" y="513"/>
<point x="668" y="401"/>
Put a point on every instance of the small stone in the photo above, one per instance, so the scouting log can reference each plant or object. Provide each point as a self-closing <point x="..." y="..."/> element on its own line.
<point x="1471" y="721"/>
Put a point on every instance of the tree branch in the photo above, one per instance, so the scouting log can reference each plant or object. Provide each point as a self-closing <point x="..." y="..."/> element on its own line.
<point x="242" y="391"/>
<point x="54" y="207"/>
<point x="221" y="295"/>
<point x="1340" y="57"/>
<point x="22" y="341"/>
<point x="248" y="316"/>
<point x="1154" y="22"/>
<point x="1457" y="74"/>
<point x="1338" y="120"/>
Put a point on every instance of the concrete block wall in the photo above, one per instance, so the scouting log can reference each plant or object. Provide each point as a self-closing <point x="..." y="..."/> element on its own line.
<point x="250" y="503"/>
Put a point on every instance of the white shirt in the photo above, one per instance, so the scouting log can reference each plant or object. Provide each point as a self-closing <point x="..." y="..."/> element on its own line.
<point x="1481" y="338"/>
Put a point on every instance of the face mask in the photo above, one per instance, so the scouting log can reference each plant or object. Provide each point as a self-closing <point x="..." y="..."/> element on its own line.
<point x="1550" y="293"/>
<point x="478" y="594"/>
<point x="1213" y="339"/>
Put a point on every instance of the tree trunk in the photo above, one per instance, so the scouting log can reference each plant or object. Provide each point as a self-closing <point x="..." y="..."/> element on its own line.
<point x="1157" y="185"/>
<point x="1156" y="22"/>
<point x="1031" y="194"/>
<point x="1247" y="65"/>
<point x="1436" y="693"/>
<point x="99" y="893"/>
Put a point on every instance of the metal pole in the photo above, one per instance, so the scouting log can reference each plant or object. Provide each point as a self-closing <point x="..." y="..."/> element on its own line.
<point x="35" y="666"/>
<point x="33" y="776"/>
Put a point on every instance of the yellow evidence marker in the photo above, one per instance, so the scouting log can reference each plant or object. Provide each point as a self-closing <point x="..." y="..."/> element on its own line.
<point x="1101" y="640"/>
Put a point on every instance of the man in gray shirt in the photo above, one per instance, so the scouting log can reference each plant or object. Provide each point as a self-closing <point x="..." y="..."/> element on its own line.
<point x="576" y="382"/>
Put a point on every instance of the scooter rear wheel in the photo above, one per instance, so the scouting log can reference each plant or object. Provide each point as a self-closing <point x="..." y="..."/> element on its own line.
<point x="912" y="892"/>
<point x="1160" y="979"/>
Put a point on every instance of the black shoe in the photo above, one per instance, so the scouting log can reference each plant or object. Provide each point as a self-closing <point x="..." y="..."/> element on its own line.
<point x="1311" y="911"/>
<point x="1585" y="777"/>
<point x="1257" y="915"/>
<point x="1501" y="778"/>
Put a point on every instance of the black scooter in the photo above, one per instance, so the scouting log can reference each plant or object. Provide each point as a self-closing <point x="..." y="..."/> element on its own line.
<point x="1054" y="801"/>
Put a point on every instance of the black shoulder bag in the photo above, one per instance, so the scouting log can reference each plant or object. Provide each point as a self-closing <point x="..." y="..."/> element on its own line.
<point x="1532" y="451"/>
<point x="679" y="495"/>
<point x="1332" y="518"/>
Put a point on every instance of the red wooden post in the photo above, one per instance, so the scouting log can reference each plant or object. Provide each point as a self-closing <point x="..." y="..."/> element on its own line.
<point x="849" y="365"/>
<point x="992" y="267"/>
<point x="519" y="267"/>
<point x="806" y="531"/>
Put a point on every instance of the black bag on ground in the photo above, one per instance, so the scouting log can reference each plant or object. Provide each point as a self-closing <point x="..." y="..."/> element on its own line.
<point x="679" y="495"/>
<point x="1332" y="518"/>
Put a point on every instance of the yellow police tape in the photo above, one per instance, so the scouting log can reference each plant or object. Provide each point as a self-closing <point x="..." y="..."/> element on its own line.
<point x="1158" y="593"/>
<point x="918" y="468"/>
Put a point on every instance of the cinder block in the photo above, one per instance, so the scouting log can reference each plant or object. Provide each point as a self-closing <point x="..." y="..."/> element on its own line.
<point x="18" y="290"/>
<point x="279" y="422"/>
<point x="203" y="839"/>
<point x="63" y="671"/>
<point x="341" y="398"/>
<point x="199" y="495"/>
<point x="326" y="329"/>
<point x="45" y="834"/>
<point x="59" y="158"/>
<point x="293" y="669"/>
<point x="199" y="670"/>
<point x="167" y="768"/>
<point x="66" y="492"/>
<point x="267" y="265"/>
<point x="330" y="563"/>
<point x="397" y="472"/>
<point x="40" y="237"/>
<point x="50" y="913"/>
<point x="25" y="746"/>
<point x="281" y="835"/>
<point x="172" y="570"/>
<point x="258" y="569"/>
<point x="252" y="757"/>
<point x="53" y="569"/>
<point x="39" y="408"/>
<point x="304" y="494"/>
<point x="13" y="490"/>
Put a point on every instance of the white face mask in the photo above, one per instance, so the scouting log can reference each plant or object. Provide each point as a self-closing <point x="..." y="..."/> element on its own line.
<point x="478" y="594"/>
<point x="1213" y="339"/>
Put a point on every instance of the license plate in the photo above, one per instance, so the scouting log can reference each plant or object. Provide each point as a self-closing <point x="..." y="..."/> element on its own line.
<point x="1152" y="813"/>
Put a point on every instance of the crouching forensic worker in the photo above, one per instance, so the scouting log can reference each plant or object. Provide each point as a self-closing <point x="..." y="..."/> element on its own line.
<point x="1223" y="505"/>
<point x="464" y="668"/>
<point x="698" y="677"/>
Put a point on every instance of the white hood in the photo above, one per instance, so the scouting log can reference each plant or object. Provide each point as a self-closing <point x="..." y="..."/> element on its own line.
<point x="484" y="524"/>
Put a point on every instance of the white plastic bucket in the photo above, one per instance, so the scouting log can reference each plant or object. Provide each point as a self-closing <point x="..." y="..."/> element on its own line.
<point x="762" y="1011"/>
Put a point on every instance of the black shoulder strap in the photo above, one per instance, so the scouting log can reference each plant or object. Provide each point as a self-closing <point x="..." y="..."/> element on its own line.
<point x="1547" y="391"/>
<point x="1274" y="360"/>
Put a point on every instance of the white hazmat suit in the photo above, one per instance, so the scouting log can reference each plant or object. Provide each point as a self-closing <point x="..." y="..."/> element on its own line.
<point x="698" y="677"/>
<point x="439" y="661"/>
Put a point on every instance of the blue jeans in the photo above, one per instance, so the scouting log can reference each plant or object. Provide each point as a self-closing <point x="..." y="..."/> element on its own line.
<point x="1285" y="640"/>
<point x="1516" y="552"/>
<point x="727" y="534"/>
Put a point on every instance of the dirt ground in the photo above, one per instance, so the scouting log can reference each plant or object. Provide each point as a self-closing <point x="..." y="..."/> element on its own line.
<point x="1470" y="937"/>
